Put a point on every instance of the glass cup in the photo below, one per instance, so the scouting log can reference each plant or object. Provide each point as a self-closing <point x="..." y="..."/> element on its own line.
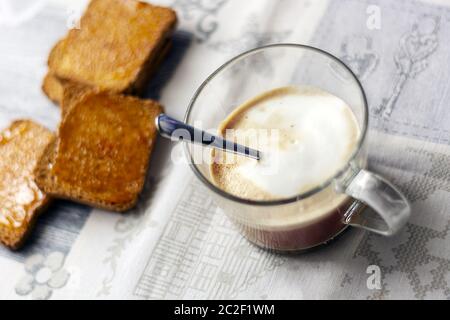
<point x="353" y="196"/>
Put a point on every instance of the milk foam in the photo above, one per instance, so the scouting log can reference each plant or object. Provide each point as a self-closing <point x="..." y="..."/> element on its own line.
<point x="312" y="136"/>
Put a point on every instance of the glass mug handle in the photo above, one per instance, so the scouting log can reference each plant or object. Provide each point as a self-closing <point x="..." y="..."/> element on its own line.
<point x="390" y="209"/>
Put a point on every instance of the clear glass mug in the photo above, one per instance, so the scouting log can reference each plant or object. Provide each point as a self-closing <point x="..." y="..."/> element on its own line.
<point x="354" y="196"/>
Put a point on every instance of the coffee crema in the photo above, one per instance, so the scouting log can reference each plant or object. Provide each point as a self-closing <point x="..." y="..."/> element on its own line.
<point x="306" y="135"/>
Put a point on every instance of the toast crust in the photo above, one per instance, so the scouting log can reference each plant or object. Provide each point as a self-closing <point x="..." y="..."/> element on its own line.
<point x="102" y="151"/>
<point x="21" y="200"/>
<point x="117" y="42"/>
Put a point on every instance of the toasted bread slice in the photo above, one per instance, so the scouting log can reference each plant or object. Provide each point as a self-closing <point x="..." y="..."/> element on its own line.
<point x="119" y="40"/>
<point x="73" y="92"/>
<point x="102" y="151"/>
<point x="21" y="201"/>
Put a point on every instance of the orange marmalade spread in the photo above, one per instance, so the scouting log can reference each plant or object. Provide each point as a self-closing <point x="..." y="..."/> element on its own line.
<point x="103" y="147"/>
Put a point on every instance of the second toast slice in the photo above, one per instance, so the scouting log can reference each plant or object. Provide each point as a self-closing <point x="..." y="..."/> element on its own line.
<point x="102" y="151"/>
<point x="21" y="201"/>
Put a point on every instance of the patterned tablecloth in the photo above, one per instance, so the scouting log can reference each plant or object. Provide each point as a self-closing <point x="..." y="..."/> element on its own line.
<point x="176" y="243"/>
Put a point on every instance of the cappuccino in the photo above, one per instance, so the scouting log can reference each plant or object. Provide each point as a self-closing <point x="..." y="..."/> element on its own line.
<point x="306" y="135"/>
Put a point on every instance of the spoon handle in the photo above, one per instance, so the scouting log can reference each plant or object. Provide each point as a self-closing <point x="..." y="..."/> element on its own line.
<point x="179" y="131"/>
